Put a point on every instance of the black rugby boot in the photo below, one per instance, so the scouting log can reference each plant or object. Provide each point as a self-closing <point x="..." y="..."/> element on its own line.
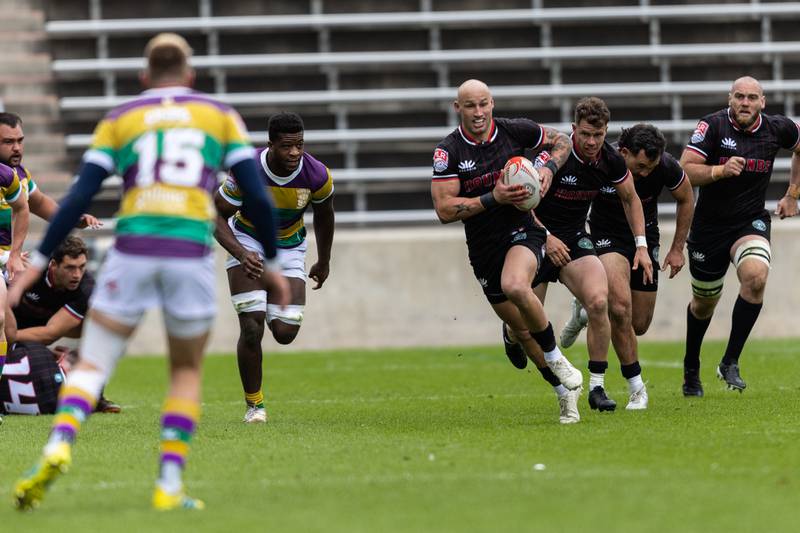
<point x="730" y="374"/>
<point x="691" y="382"/>
<point x="514" y="351"/>
<point x="598" y="399"/>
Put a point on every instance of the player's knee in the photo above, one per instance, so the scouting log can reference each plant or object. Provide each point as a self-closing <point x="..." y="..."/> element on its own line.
<point x="641" y="324"/>
<point x="619" y="312"/>
<point x="283" y="333"/>
<point x="703" y="308"/>
<point x="596" y="304"/>
<point x="754" y="280"/>
<point x="515" y="289"/>
<point x="251" y="329"/>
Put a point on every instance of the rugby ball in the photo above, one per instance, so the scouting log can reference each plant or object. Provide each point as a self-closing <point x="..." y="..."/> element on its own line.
<point x="519" y="171"/>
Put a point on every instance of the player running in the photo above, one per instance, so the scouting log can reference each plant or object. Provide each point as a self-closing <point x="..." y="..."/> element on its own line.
<point x="631" y="302"/>
<point x="168" y="145"/>
<point x="730" y="157"/>
<point x="504" y="243"/>
<point x="295" y="179"/>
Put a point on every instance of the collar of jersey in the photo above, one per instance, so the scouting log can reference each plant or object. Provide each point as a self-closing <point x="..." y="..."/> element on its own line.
<point x="280" y="180"/>
<point x="575" y="152"/>
<point x="177" y="89"/>
<point x="751" y="129"/>
<point x="474" y="142"/>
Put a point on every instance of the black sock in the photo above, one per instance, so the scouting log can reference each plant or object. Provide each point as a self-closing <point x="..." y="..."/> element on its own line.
<point x="744" y="318"/>
<point x="598" y="367"/>
<point x="545" y="338"/>
<point x="549" y="377"/>
<point x="695" y="331"/>
<point x="631" y="371"/>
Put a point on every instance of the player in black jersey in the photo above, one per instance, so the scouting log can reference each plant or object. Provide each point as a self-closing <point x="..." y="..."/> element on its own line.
<point x="571" y="258"/>
<point x="631" y="302"/>
<point x="31" y="380"/>
<point x="55" y="306"/>
<point x="730" y="157"/>
<point x="504" y="243"/>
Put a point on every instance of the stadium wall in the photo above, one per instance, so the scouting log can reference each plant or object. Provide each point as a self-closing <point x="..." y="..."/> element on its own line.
<point x="414" y="287"/>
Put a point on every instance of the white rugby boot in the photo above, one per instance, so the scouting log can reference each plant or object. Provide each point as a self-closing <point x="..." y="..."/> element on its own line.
<point x="568" y="407"/>
<point x="576" y="323"/>
<point x="255" y="415"/>
<point x="638" y="400"/>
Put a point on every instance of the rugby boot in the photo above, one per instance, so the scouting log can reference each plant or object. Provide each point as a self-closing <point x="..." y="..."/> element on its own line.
<point x="29" y="491"/>
<point x="569" y="376"/>
<point x="730" y="374"/>
<point x="255" y="415"/>
<point x="514" y="350"/>
<point x="104" y="405"/>
<point x="598" y="399"/>
<point x="638" y="400"/>
<point x="164" y="501"/>
<point x="691" y="382"/>
<point x="577" y="321"/>
<point x="568" y="406"/>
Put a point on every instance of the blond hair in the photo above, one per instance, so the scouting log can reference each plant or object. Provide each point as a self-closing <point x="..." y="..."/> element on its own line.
<point x="167" y="56"/>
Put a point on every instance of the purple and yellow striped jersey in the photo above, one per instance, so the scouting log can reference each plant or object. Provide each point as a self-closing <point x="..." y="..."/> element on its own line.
<point x="26" y="186"/>
<point x="291" y="195"/>
<point x="10" y="190"/>
<point x="168" y="144"/>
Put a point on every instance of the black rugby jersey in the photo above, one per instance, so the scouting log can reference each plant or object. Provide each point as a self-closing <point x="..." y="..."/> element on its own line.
<point x="607" y="213"/>
<point x="740" y="198"/>
<point x="42" y="301"/>
<point x="478" y="166"/>
<point x="31" y="381"/>
<point x="564" y="208"/>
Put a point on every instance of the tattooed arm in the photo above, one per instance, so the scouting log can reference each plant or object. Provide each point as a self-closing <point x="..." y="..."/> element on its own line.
<point x="451" y="207"/>
<point x="559" y="147"/>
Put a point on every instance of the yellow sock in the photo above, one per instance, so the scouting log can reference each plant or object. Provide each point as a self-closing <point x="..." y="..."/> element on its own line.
<point x="255" y="399"/>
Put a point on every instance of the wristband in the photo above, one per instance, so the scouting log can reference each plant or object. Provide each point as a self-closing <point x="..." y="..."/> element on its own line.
<point x="713" y="170"/>
<point x="488" y="200"/>
<point x="641" y="241"/>
<point x="552" y="166"/>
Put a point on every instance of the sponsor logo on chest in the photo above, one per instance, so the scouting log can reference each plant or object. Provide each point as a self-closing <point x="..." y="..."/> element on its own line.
<point x="569" y="180"/>
<point x="728" y="144"/>
<point x="467" y="165"/>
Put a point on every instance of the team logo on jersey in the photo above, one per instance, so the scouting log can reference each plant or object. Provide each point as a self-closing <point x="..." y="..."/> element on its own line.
<point x="440" y="159"/>
<point x="759" y="225"/>
<point x="569" y="180"/>
<point x="700" y="132"/>
<point x="519" y="237"/>
<point x="728" y="143"/>
<point x="605" y="189"/>
<point x="602" y="243"/>
<point x="466" y="166"/>
<point x="585" y="243"/>
<point x="302" y="197"/>
<point x="483" y="282"/>
<point x="32" y="296"/>
<point x="698" y="256"/>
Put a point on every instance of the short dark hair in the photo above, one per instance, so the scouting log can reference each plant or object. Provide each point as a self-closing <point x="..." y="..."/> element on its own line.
<point x="285" y="122"/>
<point x="72" y="247"/>
<point x="643" y="137"/>
<point x="593" y="110"/>
<point x="11" y="120"/>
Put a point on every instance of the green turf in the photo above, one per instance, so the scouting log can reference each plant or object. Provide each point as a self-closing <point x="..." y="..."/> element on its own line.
<point x="436" y="440"/>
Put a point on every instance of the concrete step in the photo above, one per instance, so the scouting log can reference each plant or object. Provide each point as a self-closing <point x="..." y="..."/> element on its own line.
<point x="24" y="42"/>
<point x="18" y="16"/>
<point x="17" y="64"/>
<point x="44" y="106"/>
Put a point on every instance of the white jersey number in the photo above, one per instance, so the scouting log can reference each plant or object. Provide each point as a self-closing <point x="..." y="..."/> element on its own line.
<point x="18" y="389"/>
<point x="181" y="159"/>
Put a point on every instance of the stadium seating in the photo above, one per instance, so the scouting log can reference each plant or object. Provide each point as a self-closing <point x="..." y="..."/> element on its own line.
<point x="374" y="80"/>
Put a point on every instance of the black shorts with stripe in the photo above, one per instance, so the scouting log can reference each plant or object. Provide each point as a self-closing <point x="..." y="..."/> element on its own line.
<point x="625" y="245"/>
<point x="710" y="247"/>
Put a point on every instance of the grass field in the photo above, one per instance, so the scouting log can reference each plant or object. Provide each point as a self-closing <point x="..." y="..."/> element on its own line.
<point x="437" y="440"/>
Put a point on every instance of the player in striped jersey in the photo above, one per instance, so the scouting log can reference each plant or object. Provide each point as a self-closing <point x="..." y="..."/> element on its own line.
<point x="168" y="145"/>
<point x="295" y="179"/>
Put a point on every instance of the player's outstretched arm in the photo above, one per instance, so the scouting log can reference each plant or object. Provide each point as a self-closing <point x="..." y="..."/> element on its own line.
<point x="684" y="197"/>
<point x="258" y="209"/>
<point x="77" y="201"/>
<point x="787" y="206"/>
<point x="324" y="220"/>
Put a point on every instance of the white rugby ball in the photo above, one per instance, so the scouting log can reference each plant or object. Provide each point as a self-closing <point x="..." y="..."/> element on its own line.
<point x="520" y="171"/>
